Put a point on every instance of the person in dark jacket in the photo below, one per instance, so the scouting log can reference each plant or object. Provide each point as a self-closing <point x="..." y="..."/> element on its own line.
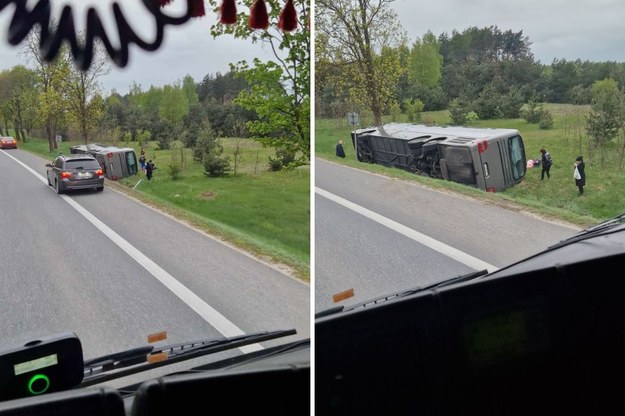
<point x="340" y="152"/>
<point x="579" y="174"/>
<point x="149" y="168"/>
<point x="545" y="162"/>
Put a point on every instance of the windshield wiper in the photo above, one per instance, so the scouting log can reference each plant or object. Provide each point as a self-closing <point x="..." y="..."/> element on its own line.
<point x="591" y="231"/>
<point x="113" y="366"/>
<point x="400" y="294"/>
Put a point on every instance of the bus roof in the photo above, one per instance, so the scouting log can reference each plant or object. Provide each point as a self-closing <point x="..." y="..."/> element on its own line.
<point x="411" y="131"/>
<point x="97" y="147"/>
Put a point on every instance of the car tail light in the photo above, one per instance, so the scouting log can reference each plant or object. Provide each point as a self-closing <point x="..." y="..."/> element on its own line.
<point x="99" y="172"/>
<point x="66" y="175"/>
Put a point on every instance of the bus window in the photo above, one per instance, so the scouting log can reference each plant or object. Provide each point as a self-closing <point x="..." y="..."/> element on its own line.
<point x="517" y="157"/>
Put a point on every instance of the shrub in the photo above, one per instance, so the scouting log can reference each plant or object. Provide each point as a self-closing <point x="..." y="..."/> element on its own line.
<point x="282" y="159"/>
<point x="215" y="162"/>
<point x="174" y="169"/>
<point x="546" y="120"/>
<point x="414" y="108"/>
<point x="532" y="112"/>
<point x="458" y="112"/>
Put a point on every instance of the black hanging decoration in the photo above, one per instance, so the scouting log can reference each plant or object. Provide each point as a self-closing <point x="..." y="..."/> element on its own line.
<point x="24" y="20"/>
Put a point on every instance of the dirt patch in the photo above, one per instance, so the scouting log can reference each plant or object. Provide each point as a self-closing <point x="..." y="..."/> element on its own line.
<point x="208" y="195"/>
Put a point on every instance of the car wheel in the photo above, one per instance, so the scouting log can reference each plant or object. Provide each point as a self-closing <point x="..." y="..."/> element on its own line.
<point x="100" y="188"/>
<point x="57" y="187"/>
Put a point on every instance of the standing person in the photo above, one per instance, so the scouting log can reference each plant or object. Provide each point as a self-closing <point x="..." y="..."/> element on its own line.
<point x="340" y="152"/>
<point x="149" y="167"/>
<point x="142" y="161"/>
<point x="579" y="174"/>
<point x="545" y="162"/>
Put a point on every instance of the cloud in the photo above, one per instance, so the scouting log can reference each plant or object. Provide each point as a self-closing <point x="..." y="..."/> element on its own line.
<point x="581" y="29"/>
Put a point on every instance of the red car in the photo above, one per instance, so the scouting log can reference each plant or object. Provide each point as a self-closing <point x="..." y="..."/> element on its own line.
<point x="8" y="143"/>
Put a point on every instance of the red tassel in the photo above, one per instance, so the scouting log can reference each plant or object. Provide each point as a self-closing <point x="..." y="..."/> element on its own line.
<point x="259" y="19"/>
<point x="228" y="12"/>
<point x="288" y="17"/>
<point x="197" y="9"/>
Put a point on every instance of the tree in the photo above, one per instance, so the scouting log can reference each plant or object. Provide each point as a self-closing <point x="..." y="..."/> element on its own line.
<point x="269" y="97"/>
<point x="209" y="152"/>
<point x="426" y="62"/>
<point x="51" y="85"/>
<point x="604" y="119"/>
<point x="189" y="89"/>
<point x="18" y="100"/>
<point x="83" y="92"/>
<point x="279" y="90"/>
<point x="362" y="35"/>
<point x="174" y="104"/>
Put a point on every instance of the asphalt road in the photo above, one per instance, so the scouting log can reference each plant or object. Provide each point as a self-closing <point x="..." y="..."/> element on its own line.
<point x="377" y="235"/>
<point x="113" y="270"/>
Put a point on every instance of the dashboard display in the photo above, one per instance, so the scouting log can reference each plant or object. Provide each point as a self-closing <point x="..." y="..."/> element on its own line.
<point x="36" y="364"/>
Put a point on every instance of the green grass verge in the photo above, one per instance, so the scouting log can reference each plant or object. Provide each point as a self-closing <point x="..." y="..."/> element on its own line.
<point x="555" y="198"/>
<point x="264" y="213"/>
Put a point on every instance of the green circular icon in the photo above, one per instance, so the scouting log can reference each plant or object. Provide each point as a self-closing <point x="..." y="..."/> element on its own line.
<point x="38" y="384"/>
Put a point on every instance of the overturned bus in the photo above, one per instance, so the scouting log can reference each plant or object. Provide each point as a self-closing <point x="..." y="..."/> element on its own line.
<point x="116" y="162"/>
<point x="491" y="159"/>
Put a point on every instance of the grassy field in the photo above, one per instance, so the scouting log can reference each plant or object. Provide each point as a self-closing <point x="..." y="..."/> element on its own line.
<point x="555" y="198"/>
<point x="265" y="213"/>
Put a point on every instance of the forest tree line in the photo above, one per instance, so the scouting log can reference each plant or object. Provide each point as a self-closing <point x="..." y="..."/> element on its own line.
<point x="488" y="70"/>
<point x="265" y="101"/>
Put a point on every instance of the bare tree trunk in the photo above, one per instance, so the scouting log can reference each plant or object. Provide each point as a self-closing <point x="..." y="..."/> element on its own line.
<point x="18" y="137"/>
<point x="50" y="133"/>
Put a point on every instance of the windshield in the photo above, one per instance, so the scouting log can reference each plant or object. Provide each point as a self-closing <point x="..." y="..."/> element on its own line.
<point x="417" y="306"/>
<point x="208" y="237"/>
<point x="517" y="157"/>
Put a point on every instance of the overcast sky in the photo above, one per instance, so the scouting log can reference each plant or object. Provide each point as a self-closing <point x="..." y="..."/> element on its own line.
<point x="187" y="49"/>
<point x="571" y="29"/>
<point x="591" y="30"/>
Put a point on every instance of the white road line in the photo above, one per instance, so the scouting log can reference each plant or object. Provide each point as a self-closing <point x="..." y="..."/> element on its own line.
<point x="436" y="245"/>
<point x="208" y="313"/>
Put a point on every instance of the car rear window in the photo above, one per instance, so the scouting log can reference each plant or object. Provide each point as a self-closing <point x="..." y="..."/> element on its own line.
<point x="82" y="163"/>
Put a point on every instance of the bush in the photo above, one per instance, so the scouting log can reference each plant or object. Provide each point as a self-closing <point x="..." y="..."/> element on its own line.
<point x="414" y="108"/>
<point x="511" y="103"/>
<point x="174" y="169"/>
<point x="532" y="112"/>
<point x="546" y="120"/>
<point x="458" y="112"/>
<point x="215" y="162"/>
<point x="283" y="158"/>
<point x="487" y="105"/>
